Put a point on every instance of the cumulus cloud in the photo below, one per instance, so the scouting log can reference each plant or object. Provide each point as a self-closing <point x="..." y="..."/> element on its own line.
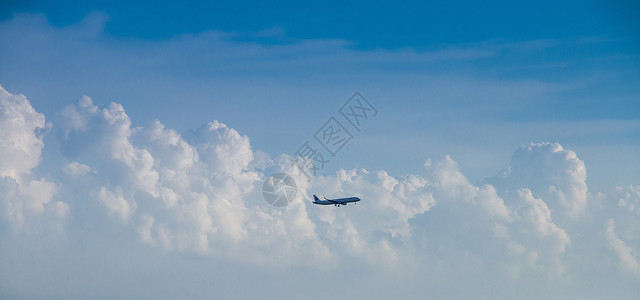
<point x="106" y="131"/>
<point x="116" y="204"/>
<point x="24" y="204"/>
<point x="537" y="237"/>
<point x="194" y="193"/>
<point x="629" y="198"/>
<point x="201" y="192"/>
<point x="622" y="228"/>
<point x="23" y="198"/>
<point x="373" y="231"/>
<point x="627" y="256"/>
<point x="537" y="213"/>
<point x="21" y="136"/>
<point x="518" y="234"/>
<point x="550" y="171"/>
<point x="452" y="184"/>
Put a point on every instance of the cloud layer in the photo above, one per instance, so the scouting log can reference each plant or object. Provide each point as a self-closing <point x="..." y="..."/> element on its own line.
<point x="200" y="193"/>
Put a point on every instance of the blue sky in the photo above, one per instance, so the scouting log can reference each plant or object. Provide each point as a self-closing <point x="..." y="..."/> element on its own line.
<point x="385" y="24"/>
<point x="504" y="154"/>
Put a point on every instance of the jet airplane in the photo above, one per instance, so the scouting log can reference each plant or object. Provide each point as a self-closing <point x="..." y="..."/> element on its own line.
<point x="335" y="202"/>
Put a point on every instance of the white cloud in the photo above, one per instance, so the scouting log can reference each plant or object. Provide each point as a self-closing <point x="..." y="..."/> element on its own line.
<point x="628" y="257"/>
<point x="538" y="215"/>
<point x="197" y="196"/>
<point x="550" y="171"/>
<point x="454" y="185"/>
<point x="20" y="138"/>
<point x="537" y="239"/>
<point x="518" y="234"/>
<point x="76" y="168"/>
<point x="116" y="204"/>
<point x="370" y="231"/>
<point x="201" y="193"/>
<point x="25" y="203"/>
<point x="24" y="200"/>
<point x="629" y="198"/>
<point x="106" y="131"/>
<point x="222" y="148"/>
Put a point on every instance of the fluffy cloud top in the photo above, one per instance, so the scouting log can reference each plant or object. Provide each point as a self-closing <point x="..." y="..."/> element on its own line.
<point x="22" y="198"/>
<point x="551" y="171"/>
<point x="20" y="138"/>
<point x="198" y="195"/>
<point x="519" y="234"/>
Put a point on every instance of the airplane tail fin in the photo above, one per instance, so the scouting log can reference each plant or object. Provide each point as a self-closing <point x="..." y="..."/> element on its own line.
<point x="315" y="198"/>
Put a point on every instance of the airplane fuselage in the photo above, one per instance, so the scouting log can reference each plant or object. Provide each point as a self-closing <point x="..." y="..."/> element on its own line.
<point x="336" y="202"/>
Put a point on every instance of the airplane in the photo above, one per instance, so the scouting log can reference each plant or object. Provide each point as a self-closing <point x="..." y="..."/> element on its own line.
<point x="335" y="202"/>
